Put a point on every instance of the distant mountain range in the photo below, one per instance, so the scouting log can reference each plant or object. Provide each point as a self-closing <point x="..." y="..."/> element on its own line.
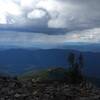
<point x="17" y="61"/>
<point x="84" y="47"/>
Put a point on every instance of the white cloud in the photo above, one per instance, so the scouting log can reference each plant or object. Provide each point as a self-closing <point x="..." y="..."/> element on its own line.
<point x="72" y="14"/>
<point x="37" y="13"/>
<point x="10" y="7"/>
<point x="3" y="19"/>
<point x="28" y="4"/>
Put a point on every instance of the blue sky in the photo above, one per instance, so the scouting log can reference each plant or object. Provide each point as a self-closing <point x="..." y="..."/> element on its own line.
<point x="28" y="23"/>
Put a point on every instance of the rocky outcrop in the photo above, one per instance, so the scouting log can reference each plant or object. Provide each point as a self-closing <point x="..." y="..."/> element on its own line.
<point x="14" y="89"/>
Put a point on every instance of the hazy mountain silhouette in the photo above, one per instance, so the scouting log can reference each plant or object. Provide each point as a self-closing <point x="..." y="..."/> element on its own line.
<point x="21" y="60"/>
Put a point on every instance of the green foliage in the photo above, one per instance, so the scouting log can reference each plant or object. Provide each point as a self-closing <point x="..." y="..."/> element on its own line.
<point x="74" y="76"/>
<point x="34" y="75"/>
<point x="46" y="75"/>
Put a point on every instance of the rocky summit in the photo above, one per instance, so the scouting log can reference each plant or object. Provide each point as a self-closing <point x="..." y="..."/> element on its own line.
<point x="15" y="89"/>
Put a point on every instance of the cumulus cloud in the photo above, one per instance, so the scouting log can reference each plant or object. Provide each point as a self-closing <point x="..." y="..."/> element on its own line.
<point x="36" y="14"/>
<point x="21" y="12"/>
<point x="63" y="13"/>
<point x="69" y="14"/>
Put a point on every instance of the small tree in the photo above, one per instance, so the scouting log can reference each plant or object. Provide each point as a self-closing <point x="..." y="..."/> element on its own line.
<point x="81" y="60"/>
<point x="81" y="65"/>
<point x="71" y="59"/>
<point x="75" y="73"/>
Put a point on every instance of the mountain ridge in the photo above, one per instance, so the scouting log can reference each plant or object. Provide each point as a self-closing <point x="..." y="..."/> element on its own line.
<point x="21" y="60"/>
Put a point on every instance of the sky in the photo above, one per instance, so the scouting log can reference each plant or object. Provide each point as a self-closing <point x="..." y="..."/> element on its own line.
<point x="36" y="23"/>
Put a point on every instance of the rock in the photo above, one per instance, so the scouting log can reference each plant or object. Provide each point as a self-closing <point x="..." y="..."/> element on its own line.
<point x="11" y="89"/>
<point x="2" y="99"/>
<point x="35" y="92"/>
<point x="17" y="95"/>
